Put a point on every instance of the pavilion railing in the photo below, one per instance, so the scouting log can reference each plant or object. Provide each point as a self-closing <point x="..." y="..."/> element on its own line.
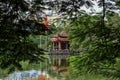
<point x="63" y="52"/>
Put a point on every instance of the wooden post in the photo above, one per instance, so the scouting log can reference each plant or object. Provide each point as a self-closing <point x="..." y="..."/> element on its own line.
<point x="53" y="45"/>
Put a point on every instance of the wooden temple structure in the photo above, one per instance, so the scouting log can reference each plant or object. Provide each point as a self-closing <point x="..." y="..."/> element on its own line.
<point x="60" y="46"/>
<point x="60" y="41"/>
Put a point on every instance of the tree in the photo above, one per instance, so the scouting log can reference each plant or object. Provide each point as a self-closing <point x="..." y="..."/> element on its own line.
<point x="97" y="55"/>
<point x="17" y="23"/>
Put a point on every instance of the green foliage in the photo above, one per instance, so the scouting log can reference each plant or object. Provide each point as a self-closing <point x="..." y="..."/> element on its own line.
<point x="3" y="73"/>
<point x="18" y="52"/>
<point x="89" y="76"/>
<point x="16" y="26"/>
<point x="36" y="66"/>
<point x="99" y="46"/>
<point x="81" y="30"/>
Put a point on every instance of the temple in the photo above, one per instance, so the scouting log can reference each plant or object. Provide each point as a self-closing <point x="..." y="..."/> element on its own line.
<point x="60" y="41"/>
<point x="60" y="45"/>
